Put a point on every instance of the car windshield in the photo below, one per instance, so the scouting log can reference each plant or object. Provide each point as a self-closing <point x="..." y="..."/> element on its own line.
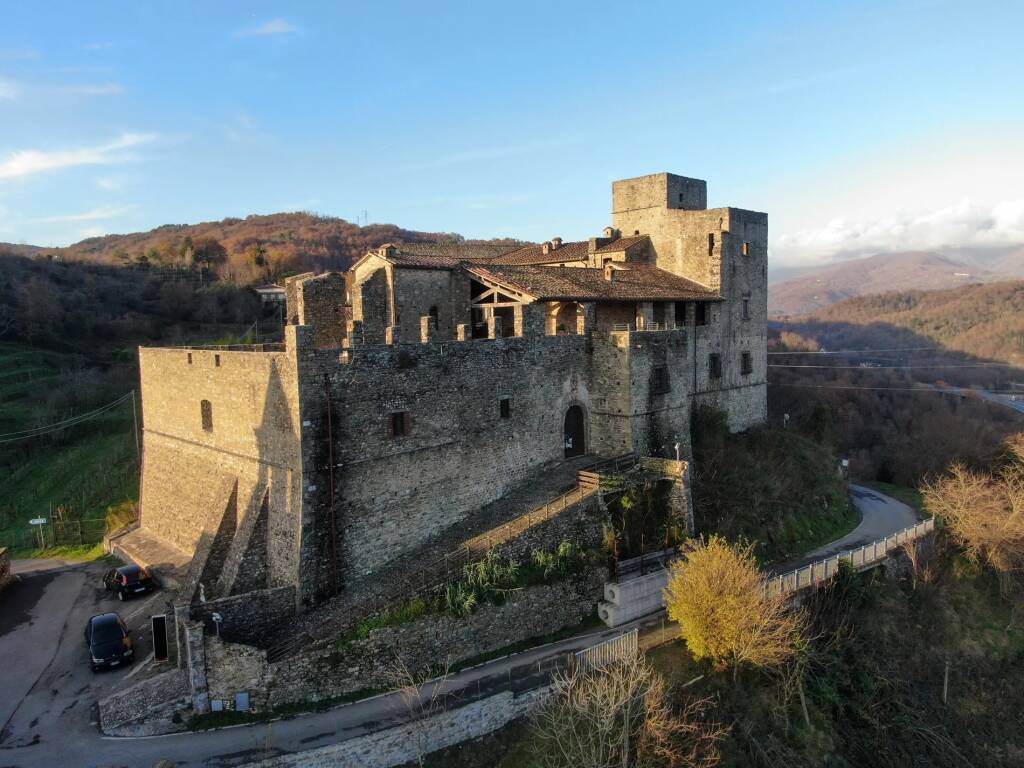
<point x="107" y="633"/>
<point x="131" y="575"/>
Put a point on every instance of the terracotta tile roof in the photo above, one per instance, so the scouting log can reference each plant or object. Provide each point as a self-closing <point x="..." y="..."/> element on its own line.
<point x="445" y="255"/>
<point x="621" y="244"/>
<point x="638" y="282"/>
<point x="534" y="254"/>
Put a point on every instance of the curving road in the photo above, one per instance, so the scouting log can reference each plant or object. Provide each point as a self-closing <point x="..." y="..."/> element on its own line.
<point x="47" y="692"/>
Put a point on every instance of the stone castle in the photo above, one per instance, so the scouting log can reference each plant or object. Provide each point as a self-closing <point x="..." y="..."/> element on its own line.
<point x="429" y="379"/>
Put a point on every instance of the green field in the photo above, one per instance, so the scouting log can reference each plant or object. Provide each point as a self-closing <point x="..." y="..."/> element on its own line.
<point x="72" y="477"/>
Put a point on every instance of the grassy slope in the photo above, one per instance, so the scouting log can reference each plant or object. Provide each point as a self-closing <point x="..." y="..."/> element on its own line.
<point x="85" y="470"/>
<point x="770" y="486"/>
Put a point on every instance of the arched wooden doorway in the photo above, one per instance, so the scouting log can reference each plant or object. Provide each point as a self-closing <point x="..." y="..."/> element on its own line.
<point x="575" y="436"/>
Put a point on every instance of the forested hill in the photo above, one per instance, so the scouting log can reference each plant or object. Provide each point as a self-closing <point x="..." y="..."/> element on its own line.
<point x="983" y="321"/>
<point x="245" y="251"/>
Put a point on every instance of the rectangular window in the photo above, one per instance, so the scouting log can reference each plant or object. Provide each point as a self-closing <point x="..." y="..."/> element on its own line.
<point x="700" y="316"/>
<point x="679" y="314"/>
<point x="659" y="380"/>
<point x="216" y="360"/>
<point x="400" y="424"/>
<point x="505" y="407"/>
<point x="746" y="364"/>
<point x="714" y="366"/>
<point x="746" y="249"/>
<point x="746" y="309"/>
<point x="206" y="414"/>
<point x="190" y="358"/>
<point x="711" y="244"/>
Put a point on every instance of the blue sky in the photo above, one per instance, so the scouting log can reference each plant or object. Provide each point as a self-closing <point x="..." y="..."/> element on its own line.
<point x="856" y="126"/>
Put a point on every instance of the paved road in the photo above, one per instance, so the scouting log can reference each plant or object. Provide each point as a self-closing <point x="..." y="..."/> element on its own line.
<point x="52" y="690"/>
<point x="881" y="516"/>
<point x="47" y="691"/>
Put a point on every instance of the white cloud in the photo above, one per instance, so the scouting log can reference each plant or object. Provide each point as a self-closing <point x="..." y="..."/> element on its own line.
<point x="91" y="232"/>
<point x="962" y="225"/>
<point x="269" y="28"/>
<point x="96" y="214"/>
<point x="9" y="89"/>
<point x="110" y="183"/>
<point x="28" y="162"/>
<point x="100" y="46"/>
<point x="95" y="89"/>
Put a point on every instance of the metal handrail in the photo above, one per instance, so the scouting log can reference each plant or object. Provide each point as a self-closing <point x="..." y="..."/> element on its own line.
<point x="857" y="557"/>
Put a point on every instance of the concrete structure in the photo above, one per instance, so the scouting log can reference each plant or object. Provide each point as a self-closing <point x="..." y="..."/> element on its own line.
<point x="428" y="380"/>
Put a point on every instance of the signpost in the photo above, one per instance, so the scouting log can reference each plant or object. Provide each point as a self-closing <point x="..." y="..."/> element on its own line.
<point x="39" y="522"/>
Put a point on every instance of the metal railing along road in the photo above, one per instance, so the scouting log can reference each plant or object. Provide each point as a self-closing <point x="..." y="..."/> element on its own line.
<point x="826" y="568"/>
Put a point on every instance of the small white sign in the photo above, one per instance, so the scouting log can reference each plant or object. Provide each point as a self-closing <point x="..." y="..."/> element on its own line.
<point x="37" y="521"/>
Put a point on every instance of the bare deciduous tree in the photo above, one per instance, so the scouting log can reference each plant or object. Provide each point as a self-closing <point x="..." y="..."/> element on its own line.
<point x="985" y="512"/>
<point x="422" y="700"/>
<point x="718" y="596"/>
<point x="619" y="716"/>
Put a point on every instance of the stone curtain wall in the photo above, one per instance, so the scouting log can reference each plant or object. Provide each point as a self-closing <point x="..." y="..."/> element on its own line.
<point x="394" y="492"/>
<point x="423" y="645"/>
<point x="407" y="743"/>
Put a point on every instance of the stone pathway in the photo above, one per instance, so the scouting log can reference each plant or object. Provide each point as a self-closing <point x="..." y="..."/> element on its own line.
<point x="524" y="507"/>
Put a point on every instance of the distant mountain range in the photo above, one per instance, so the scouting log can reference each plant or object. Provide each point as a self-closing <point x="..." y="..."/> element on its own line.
<point x="804" y="291"/>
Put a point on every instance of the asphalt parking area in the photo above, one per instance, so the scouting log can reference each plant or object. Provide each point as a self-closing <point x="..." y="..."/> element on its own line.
<point x="49" y="687"/>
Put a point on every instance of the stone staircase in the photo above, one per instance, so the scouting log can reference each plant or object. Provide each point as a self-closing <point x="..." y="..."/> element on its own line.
<point x="440" y="560"/>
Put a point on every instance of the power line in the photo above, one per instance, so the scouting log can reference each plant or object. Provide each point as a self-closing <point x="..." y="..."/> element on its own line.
<point x="24" y="434"/>
<point x="864" y="351"/>
<point x="892" y="367"/>
<point x="961" y="392"/>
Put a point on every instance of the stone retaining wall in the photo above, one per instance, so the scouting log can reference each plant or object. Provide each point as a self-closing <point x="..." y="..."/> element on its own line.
<point x="149" y="707"/>
<point x="424" y="645"/>
<point x="409" y="742"/>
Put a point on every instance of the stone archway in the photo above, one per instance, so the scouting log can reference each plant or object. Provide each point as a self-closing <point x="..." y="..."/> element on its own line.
<point x="574" y="432"/>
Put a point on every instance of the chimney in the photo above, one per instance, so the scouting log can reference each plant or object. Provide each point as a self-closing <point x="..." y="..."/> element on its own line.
<point x="556" y="243"/>
<point x="610" y="232"/>
<point x="609" y="272"/>
<point x="546" y="248"/>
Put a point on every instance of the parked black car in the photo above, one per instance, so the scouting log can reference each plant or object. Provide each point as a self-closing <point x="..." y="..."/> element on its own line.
<point x="109" y="641"/>
<point x="128" y="581"/>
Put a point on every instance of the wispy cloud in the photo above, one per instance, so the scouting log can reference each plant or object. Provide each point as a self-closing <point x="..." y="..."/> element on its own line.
<point x="110" y="183"/>
<point x="9" y="90"/>
<point x="962" y="225"/>
<point x="18" y="54"/>
<point x="28" y="162"/>
<point x="269" y="28"/>
<point x="93" y="89"/>
<point x="96" y="214"/>
<point x="102" y="45"/>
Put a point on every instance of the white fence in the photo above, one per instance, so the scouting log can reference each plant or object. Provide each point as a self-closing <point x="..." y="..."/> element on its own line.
<point x="869" y="554"/>
<point x="628" y="600"/>
<point x="600" y="655"/>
